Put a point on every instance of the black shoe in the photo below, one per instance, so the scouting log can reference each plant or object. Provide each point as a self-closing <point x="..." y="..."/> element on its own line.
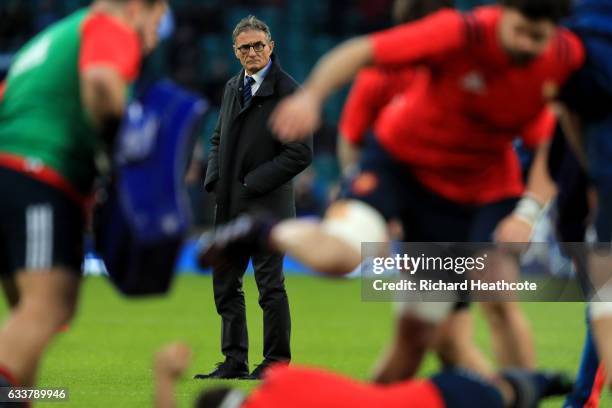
<point x="260" y="370"/>
<point x="246" y="232"/>
<point x="531" y="387"/>
<point x="229" y="369"/>
<point x="554" y="383"/>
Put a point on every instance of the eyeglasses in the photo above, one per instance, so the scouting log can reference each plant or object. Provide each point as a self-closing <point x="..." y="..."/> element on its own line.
<point x="257" y="47"/>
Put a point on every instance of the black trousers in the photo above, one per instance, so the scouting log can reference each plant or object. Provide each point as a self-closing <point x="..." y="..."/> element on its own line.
<point x="229" y="300"/>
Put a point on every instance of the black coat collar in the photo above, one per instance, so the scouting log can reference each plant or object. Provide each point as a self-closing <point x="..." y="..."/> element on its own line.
<point x="267" y="86"/>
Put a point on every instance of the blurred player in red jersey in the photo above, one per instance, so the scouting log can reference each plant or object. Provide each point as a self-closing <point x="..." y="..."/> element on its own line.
<point x="372" y="90"/>
<point x="442" y="158"/>
<point x="64" y="97"/>
<point x="300" y="387"/>
<point x="296" y="387"/>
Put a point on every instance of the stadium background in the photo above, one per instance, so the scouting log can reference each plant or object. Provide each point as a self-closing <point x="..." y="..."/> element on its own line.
<point x="199" y="55"/>
<point x="105" y="356"/>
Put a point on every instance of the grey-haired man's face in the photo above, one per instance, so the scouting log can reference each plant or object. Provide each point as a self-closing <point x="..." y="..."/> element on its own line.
<point x="253" y="50"/>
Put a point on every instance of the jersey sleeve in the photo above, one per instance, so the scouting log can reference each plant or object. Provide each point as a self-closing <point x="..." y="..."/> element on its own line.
<point x="577" y="54"/>
<point x="540" y="130"/>
<point x="2" y="87"/>
<point x="107" y="42"/>
<point x="362" y="105"/>
<point x="431" y="37"/>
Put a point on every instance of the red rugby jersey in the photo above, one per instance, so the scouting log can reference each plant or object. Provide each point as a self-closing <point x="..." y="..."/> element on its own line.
<point x="372" y="89"/>
<point x="296" y="387"/>
<point x="100" y="35"/>
<point x="455" y="127"/>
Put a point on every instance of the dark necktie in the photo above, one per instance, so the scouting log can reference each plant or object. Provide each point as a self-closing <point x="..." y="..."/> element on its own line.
<point x="246" y="92"/>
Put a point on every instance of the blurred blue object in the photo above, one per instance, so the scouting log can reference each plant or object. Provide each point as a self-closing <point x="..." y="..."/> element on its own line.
<point x="141" y="225"/>
<point x="166" y="26"/>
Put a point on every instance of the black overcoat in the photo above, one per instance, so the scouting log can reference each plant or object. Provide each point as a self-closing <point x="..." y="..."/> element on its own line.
<point x="249" y="170"/>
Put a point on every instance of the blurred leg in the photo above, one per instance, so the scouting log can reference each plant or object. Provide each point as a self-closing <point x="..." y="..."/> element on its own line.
<point x="48" y="300"/>
<point x="510" y="334"/>
<point x="402" y="359"/>
<point x="455" y="345"/>
<point x="332" y="246"/>
<point x="310" y="244"/>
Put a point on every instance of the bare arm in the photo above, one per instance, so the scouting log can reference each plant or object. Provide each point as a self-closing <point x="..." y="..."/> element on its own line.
<point x="170" y="364"/>
<point x="539" y="184"/>
<point x="402" y="358"/>
<point x="300" y="115"/>
<point x="348" y="155"/>
<point x="518" y="226"/>
<point x="103" y="93"/>
<point x="540" y="189"/>
<point x="419" y="42"/>
<point x="339" y="66"/>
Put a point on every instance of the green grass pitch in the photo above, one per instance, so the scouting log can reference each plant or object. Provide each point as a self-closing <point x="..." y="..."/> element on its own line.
<point x="105" y="358"/>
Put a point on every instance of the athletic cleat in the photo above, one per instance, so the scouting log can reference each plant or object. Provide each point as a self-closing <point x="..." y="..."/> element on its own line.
<point x="556" y="383"/>
<point x="530" y="387"/>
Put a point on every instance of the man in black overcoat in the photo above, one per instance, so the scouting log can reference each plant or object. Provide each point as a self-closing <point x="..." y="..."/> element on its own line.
<point x="249" y="170"/>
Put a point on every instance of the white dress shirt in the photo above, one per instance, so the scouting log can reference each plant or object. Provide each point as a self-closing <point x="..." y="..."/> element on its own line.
<point x="259" y="77"/>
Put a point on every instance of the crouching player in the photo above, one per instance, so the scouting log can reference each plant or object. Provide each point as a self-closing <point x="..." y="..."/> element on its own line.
<point x="64" y="97"/>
